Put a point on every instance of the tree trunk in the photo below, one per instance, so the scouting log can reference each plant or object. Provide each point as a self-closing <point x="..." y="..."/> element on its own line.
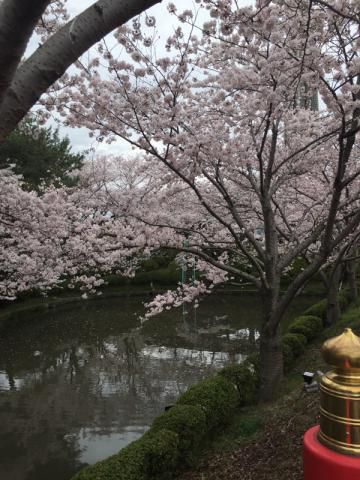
<point x="17" y="22"/>
<point x="333" y="307"/>
<point x="50" y="61"/>
<point x="271" y="362"/>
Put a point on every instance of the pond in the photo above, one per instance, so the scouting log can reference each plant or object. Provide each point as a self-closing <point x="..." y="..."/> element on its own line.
<point x="80" y="381"/>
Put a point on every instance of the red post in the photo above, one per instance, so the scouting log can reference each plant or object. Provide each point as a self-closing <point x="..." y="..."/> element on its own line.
<point x="321" y="463"/>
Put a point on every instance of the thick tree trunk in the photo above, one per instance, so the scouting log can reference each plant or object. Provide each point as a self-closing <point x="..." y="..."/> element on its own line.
<point x="271" y="357"/>
<point x="271" y="362"/>
<point x="17" y="22"/>
<point x="51" y="60"/>
<point x="333" y="307"/>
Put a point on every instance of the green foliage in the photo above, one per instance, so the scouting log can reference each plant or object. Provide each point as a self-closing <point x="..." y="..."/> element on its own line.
<point x="350" y="319"/>
<point x="318" y="309"/>
<point x="163" y="276"/>
<point x="153" y="456"/>
<point x="288" y="356"/>
<point x="244" y="378"/>
<point x="344" y="299"/>
<point x="297" y="342"/>
<point x="189" y="422"/>
<point x="40" y="155"/>
<point x="216" y="396"/>
<point x="308" y="325"/>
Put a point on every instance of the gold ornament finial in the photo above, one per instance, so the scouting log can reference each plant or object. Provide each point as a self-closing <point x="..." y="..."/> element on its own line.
<point x="342" y="351"/>
<point x="340" y="394"/>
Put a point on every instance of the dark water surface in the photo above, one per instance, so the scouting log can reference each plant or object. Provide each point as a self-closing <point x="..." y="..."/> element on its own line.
<point x="81" y="381"/>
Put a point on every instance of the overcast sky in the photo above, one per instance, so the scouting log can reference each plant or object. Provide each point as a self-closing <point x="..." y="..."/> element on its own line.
<point x="165" y="27"/>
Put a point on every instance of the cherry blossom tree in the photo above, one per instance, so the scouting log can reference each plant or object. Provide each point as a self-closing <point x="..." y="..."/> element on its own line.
<point x="63" y="40"/>
<point x="62" y="235"/>
<point x="229" y="149"/>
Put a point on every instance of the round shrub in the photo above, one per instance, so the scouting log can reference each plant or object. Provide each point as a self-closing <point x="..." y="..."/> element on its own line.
<point x="318" y="309"/>
<point x="161" y="454"/>
<point x="216" y="396"/>
<point x="243" y="376"/>
<point x="296" y="341"/>
<point x="307" y="325"/>
<point x="149" y="458"/>
<point x="189" y="422"/>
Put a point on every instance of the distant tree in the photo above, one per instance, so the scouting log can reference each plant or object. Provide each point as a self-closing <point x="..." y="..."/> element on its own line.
<point x="40" y="155"/>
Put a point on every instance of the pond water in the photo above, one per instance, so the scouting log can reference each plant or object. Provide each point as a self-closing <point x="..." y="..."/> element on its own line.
<point x="81" y="381"/>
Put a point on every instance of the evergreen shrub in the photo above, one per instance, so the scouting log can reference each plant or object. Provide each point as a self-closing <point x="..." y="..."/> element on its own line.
<point x="216" y="396"/>
<point x="318" y="309"/>
<point x="308" y="325"/>
<point x="152" y="457"/>
<point x="243" y="376"/>
<point x="189" y="422"/>
<point x="296" y="341"/>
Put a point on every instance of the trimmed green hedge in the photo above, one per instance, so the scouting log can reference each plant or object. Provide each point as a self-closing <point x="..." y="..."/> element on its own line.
<point x="216" y="396"/>
<point x="152" y="457"/>
<point x="297" y="341"/>
<point x="174" y="436"/>
<point x="318" y="309"/>
<point x="189" y="423"/>
<point x="244" y="377"/>
<point x="307" y="325"/>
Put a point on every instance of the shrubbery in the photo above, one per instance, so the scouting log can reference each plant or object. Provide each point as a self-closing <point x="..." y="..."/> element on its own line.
<point x="174" y="436"/>
<point x="307" y="325"/>
<point x="189" y="422"/>
<point x="151" y="457"/>
<point x="297" y="342"/>
<point x="318" y="309"/>
<point x="216" y="396"/>
<point x="244" y="377"/>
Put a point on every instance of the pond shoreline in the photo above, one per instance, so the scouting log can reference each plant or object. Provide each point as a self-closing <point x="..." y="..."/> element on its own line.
<point x="32" y="304"/>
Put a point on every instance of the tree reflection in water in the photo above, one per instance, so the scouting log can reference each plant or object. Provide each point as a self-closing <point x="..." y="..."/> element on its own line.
<point x="80" y="382"/>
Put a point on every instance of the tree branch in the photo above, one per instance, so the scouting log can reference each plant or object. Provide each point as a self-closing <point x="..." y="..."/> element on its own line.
<point x="52" y="59"/>
<point x="17" y="22"/>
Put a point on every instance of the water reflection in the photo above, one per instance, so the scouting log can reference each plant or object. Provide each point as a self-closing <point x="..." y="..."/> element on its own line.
<point x="80" y="382"/>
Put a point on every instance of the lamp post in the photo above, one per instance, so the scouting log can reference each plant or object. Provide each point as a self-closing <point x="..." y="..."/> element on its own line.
<point x="332" y="449"/>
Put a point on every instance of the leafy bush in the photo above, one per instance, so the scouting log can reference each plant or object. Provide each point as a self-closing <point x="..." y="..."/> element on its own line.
<point x="344" y="299"/>
<point x="318" y="309"/>
<point x="189" y="422"/>
<point x="153" y="456"/>
<point x="243" y="376"/>
<point x="296" y="341"/>
<point x="216" y="396"/>
<point x="307" y="325"/>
